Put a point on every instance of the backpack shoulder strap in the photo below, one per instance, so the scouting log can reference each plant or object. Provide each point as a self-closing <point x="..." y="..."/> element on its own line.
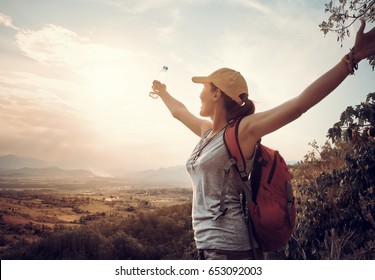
<point x="233" y="147"/>
<point x="234" y="150"/>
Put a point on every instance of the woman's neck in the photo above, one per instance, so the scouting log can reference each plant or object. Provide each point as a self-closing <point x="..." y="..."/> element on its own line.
<point x="219" y="119"/>
<point x="218" y="124"/>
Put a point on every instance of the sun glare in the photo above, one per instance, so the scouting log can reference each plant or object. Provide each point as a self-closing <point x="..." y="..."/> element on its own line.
<point x="106" y="80"/>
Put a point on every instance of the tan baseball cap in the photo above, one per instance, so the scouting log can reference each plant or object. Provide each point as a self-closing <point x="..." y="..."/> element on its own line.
<point x="231" y="82"/>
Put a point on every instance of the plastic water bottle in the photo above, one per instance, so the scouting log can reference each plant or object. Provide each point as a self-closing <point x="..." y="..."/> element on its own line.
<point x="161" y="77"/>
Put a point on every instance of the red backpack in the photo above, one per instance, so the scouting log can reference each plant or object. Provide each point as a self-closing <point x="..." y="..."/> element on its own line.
<point x="268" y="192"/>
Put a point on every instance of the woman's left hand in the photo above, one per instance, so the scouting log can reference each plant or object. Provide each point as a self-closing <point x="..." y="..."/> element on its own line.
<point x="364" y="46"/>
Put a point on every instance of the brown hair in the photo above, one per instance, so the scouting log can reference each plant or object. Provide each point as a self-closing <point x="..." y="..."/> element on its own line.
<point x="235" y="110"/>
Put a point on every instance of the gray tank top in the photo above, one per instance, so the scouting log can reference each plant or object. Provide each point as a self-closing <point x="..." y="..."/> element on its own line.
<point x="210" y="172"/>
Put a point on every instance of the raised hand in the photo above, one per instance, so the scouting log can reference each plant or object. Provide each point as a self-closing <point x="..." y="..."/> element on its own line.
<point x="157" y="88"/>
<point x="364" y="46"/>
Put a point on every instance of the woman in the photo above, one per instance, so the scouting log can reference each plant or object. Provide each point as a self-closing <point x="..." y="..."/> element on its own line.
<point x="224" y="97"/>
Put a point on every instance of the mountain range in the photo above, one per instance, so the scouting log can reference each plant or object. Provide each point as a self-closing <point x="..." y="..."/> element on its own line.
<point x="46" y="172"/>
<point x="8" y="162"/>
<point x="12" y="166"/>
<point x="176" y="175"/>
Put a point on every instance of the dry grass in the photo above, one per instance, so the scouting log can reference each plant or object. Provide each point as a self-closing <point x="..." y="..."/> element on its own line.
<point x="28" y="211"/>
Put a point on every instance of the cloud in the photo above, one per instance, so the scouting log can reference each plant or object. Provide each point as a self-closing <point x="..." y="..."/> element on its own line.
<point x="26" y="93"/>
<point x="43" y="114"/>
<point x="7" y="21"/>
<point x="58" y="46"/>
<point x="255" y="5"/>
<point x="36" y="121"/>
<point x="136" y="6"/>
<point x="167" y="31"/>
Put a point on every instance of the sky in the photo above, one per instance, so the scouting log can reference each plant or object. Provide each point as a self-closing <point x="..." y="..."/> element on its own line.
<point x="75" y="74"/>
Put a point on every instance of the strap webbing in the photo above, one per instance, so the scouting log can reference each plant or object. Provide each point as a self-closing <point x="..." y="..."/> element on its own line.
<point x="248" y="195"/>
<point x="223" y="209"/>
<point x="233" y="147"/>
<point x="273" y="168"/>
<point x="290" y="203"/>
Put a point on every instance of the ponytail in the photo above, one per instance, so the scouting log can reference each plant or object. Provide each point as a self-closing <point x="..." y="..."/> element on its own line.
<point x="234" y="110"/>
<point x="238" y="111"/>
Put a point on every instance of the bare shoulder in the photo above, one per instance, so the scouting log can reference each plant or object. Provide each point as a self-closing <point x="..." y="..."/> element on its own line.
<point x="248" y="126"/>
<point x="266" y="122"/>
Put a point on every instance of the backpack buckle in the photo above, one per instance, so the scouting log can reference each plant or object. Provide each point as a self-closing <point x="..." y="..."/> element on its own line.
<point x="221" y="213"/>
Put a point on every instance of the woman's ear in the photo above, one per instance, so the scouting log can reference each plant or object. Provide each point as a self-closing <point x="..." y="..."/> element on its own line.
<point x="217" y="94"/>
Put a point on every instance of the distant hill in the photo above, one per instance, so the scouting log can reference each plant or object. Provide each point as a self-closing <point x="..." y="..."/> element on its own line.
<point x="14" y="162"/>
<point x="49" y="172"/>
<point x="12" y="166"/>
<point x="176" y="175"/>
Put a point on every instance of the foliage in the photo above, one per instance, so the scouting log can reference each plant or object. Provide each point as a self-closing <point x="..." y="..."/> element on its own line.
<point x="336" y="208"/>
<point x="356" y="123"/>
<point x="344" y="14"/>
<point x="161" y="234"/>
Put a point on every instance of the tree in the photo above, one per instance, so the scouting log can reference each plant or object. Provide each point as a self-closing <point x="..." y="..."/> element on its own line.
<point x="343" y="14"/>
<point x="356" y="123"/>
<point x="336" y="210"/>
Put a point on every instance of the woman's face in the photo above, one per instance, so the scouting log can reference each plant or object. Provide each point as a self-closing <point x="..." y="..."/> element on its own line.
<point x="207" y="100"/>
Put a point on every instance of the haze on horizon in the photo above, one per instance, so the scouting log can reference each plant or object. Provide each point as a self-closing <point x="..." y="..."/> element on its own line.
<point x="75" y="74"/>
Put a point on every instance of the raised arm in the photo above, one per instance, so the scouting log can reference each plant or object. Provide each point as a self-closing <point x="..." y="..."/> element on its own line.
<point x="263" y="123"/>
<point x="180" y="112"/>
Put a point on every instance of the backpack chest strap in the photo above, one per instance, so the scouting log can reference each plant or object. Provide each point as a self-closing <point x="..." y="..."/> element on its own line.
<point x="223" y="189"/>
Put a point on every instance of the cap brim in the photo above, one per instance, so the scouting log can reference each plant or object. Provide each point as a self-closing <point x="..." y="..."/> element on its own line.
<point x="201" y="80"/>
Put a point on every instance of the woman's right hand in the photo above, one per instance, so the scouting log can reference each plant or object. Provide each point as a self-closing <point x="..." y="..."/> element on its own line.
<point x="158" y="88"/>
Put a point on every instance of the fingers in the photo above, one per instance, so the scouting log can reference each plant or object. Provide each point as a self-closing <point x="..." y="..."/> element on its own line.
<point x="362" y="28"/>
<point x="156" y="83"/>
<point x="371" y="32"/>
<point x="158" y="86"/>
